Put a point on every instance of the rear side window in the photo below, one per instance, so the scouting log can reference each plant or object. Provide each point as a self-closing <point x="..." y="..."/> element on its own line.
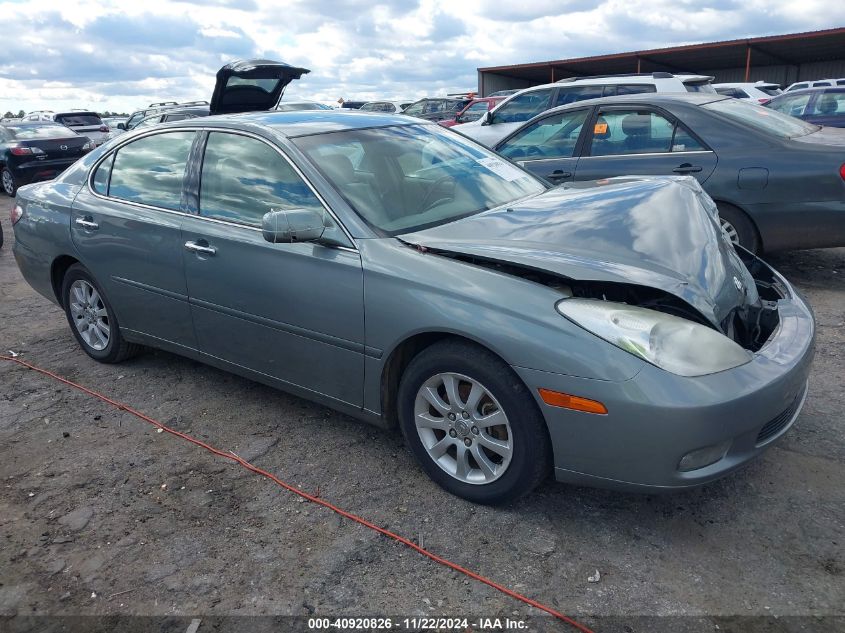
<point x="793" y="105"/>
<point x="799" y="86"/>
<point x="829" y="104"/>
<point x="821" y="84"/>
<point x="629" y="89"/>
<point x="244" y="178"/>
<point x="151" y="169"/>
<point x="578" y="93"/>
<point x="699" y="86"/>
<point x="620" y="132"/>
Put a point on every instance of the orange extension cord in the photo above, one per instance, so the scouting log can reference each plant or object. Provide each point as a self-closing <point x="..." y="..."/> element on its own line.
<point x="313" y="499"/>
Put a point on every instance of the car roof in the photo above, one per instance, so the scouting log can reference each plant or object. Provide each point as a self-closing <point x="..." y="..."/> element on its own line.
<point x="305" y="122"/>
<point x="648" y="98"/>
<point x="816" y="90"/>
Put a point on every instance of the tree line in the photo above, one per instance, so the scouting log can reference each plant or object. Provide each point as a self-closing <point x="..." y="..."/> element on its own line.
<point x="21" y="114"/>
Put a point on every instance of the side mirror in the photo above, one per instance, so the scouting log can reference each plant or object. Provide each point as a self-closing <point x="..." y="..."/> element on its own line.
<point x="293" y="225"/>
<point x="121" y="126"/>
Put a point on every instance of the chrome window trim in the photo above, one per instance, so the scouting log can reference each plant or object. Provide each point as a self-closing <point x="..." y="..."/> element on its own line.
<point x="695" y="151"/>
<point x="89" y="180"/>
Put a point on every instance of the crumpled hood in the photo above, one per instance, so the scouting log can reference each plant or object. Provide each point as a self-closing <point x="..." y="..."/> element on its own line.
<point x="660" y="232"/>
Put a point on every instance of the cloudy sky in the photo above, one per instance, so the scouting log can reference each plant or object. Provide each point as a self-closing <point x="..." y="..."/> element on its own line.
<point x="119" y="55"/>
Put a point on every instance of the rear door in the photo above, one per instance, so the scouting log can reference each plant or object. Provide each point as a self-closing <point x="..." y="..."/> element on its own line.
<point x="294" y="312"/>
<point x="550" y="146"/>
<point x="637" y="140"/>
<point x="126" y="228"/>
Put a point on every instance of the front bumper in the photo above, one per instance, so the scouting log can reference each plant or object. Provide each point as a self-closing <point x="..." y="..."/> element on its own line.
<point x="655" y="418"/>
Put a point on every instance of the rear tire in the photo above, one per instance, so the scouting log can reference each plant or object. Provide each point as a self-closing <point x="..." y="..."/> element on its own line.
<point x="92" y="319"/>
<point x="738" y="227"/>
<point x="472" y="423"/>
<point x="10" y="185"/>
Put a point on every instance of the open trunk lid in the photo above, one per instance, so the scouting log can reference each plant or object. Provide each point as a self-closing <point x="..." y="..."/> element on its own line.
<point x="251" y="85"/>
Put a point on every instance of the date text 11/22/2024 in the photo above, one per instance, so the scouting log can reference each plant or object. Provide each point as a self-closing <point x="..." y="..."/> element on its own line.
<point x="479" y="624"/>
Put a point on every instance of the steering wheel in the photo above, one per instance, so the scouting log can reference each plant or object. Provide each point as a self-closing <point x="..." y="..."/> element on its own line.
<point x="428" y="194"/>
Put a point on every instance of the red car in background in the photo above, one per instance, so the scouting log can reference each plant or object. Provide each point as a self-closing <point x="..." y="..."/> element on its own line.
<point x="473" y="110"/>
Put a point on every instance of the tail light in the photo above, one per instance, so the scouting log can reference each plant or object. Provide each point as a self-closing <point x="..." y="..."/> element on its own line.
<point x="842" y="171"/>
<point x="88" y="146"/>
<point x="763" y="101"/>
<point x="104" y="128"/>
<point x="26" y="151"/>
<point x="16" y="213"/>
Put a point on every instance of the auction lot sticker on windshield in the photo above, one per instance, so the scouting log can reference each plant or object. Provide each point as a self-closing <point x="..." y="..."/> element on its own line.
<point x="501" y="168"/>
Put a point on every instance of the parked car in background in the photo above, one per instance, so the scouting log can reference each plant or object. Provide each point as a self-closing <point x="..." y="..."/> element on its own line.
<point x="822" y="106"/>
<point x="258" y="245"/>
<point x="157" y="108"/>
<point x="778" y="182"/>
<point x="35" y="151"/>
<point x="436" y="108"/>
<point x="759" y="92"/>
<point x="352" y="105"/>
<point x="518" y="108"/>
<point x="387" y="107"/>
<point x="176" y="114"/>
<point x="504" y="93"/>
<point x="116" y="123"/>
<point x="817" y="83"/>
<point x="82" y="122"/>
<point x="291" y="106"/>
<point x="473" y="110"/>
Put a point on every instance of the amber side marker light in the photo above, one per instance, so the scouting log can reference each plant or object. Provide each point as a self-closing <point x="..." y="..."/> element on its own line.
<point x="566" y="401"/>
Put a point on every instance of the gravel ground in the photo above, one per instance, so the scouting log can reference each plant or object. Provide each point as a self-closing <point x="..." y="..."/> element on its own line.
<point x="101" y="515"/>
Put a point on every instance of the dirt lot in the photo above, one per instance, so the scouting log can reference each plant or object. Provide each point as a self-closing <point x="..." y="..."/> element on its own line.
<point x="99" y="514"/>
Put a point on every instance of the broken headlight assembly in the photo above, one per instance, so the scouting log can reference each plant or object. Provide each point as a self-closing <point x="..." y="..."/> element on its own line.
<point x="672" y="343"/>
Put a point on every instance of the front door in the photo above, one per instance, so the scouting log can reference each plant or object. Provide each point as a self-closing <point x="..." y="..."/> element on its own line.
<point x="548" y="147"/>
<point x="625" y="140"/>
<point x="294" y="312"/>
<point x="127" y="233"/>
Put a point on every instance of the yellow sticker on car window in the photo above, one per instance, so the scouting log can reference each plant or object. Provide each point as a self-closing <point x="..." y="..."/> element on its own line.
<point x="601" y="128"/>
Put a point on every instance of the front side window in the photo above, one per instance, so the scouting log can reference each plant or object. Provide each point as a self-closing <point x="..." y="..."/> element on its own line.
<point x="523" y="107"/>
<point x="473" y="112"/>
<point x="412" y="176"/>
<point x="415" y="109"/>
<point x="554" y="136"/>
<point x="639" y="132"/>
<point x="244" y="178"/>
<point x="151" y="169"/>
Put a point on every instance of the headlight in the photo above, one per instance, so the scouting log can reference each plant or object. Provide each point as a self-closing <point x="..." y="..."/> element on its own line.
<point x="672" y="343"/>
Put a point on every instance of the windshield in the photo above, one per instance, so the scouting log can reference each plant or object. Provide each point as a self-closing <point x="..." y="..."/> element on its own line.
<point x="404" y="178"/>
<point x="41" y="132"/>
<point x="760" y="118"/>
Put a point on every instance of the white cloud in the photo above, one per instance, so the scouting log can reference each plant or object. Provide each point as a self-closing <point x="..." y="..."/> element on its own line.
<point x="120" y="55"/>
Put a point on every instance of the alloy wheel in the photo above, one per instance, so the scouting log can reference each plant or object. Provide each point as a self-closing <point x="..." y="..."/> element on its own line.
<point x="463" y="428"/>
<point x="8" y="183"/>
<point x="729" y="230"/>
<point x="89" y="314"/>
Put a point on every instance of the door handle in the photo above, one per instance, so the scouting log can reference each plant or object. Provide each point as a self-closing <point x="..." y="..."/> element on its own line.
<point x="200" y="248"/>
<point x="686" y="168"/>
<point x="559" y="174"/>
<point x="87" y="223"/>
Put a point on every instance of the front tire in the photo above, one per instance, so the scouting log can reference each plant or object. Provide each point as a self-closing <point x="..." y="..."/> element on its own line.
<point x="10" y="185"/>
<point x="472" y="424"/>
<point x="92" y="319"/>
<point x="738" y="227"/>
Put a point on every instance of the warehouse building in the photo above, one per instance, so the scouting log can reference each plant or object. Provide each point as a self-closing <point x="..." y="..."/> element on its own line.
<point x="781" y="59"/>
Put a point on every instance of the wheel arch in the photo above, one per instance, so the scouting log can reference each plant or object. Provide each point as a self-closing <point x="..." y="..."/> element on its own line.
<point x="401" y="356"/>
<point x="58" y="270"/>
<point x="748" y="216"/>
